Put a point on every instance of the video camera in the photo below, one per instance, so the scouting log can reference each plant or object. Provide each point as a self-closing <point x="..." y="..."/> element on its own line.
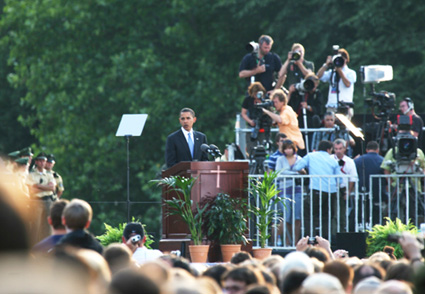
<point x="382" y="103"/>
<point x="263" y="122"/>
<point x="405" y="147"/>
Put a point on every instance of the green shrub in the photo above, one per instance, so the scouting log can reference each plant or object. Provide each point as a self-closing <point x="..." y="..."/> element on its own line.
<point x="378" y="236"/>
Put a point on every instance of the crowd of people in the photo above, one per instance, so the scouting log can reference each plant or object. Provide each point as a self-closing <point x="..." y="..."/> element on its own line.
<point x="73" y="261"/>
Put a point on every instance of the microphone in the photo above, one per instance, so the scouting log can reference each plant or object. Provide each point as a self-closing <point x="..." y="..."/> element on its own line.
<point x="215" y="149"/>
<point x="205" y="148"/>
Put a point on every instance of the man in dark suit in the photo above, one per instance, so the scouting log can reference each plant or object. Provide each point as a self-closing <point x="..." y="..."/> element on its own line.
<point x="185" y="144"/>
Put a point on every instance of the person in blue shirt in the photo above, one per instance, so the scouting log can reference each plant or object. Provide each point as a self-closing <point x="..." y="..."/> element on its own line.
<point x="280" y="137"/>
<point x="320" y="163"/>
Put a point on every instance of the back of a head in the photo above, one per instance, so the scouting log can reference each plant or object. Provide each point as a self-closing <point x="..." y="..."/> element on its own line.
<point x="366" y="270"/>
<point x="341" y="271"/>
<point x="401" y="271"/>
<point x="372" y="145"/>
<point x="56" y="211"/>
<point x="367" y="286"/>
<point x="322" y="283"/>
<point x="325" y="145"/>
<point x="318" y="252"/>
<point x="77" y="213"/>
<point x="258" y="289"/>
<point x="118" y="256"/>
<point x="394" y="287"/>
<point x="129" y="281"/>
<point x="216" y="272"/>
<point x="293" y="281"/>
<point x="242" y="274"/>
<point x="296" y="260"/>
<point x="240" y="257"/>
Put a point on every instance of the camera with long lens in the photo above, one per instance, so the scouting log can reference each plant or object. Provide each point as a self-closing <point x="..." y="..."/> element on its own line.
<point x="305" y="85"/>
<point x="382" y="103"/>
<point x="337" y="59"/>
<point x="296" y="55"/>
<point x="252" y="47"/>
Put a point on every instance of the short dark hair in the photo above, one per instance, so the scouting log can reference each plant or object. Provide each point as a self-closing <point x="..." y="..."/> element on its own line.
<point x="265" y="39"/>
<point x="56" y="211"/>
<point x="325" y="145"/>
<point x="77" y="213"/>
<point x="280" y="135"/>
<point x="241" y="274"/>
<point x="372" y="145"/>
<point x="240" y="257"/>
<point x="187" y="109"/>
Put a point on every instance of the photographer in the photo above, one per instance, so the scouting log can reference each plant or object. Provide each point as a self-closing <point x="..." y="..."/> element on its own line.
<point x="286" y="118"/>
<point x="341" y="81"/>
<point x="261" y="64"/>
<point x="295" y="68"/>
<point x="254" y="116"/>
<point x="306" y="100"/>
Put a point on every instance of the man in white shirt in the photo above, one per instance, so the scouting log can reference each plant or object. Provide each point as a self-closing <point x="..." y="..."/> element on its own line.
<point x="346" y="185"/>
<point x="134" y="237"/>
<point x="341" y="81"/>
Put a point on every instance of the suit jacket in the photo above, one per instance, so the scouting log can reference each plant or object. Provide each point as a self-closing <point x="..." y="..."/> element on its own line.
<point x="177" y="149"/>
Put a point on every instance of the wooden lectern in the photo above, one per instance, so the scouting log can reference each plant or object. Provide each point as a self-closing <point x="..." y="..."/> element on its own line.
<point x="229" y="177"/>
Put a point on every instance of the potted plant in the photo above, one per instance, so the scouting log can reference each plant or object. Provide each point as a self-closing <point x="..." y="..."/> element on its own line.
<point x="264" y="208"/>
<point x="378" y="236"/>
<point x="226" y="222"/>
<point x="190" y="214"/>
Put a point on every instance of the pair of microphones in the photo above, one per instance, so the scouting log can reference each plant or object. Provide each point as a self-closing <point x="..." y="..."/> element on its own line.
<point x="211" y="149"/>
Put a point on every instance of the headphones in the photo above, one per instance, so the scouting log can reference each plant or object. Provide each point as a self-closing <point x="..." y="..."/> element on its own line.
<point x="410" y="104"/>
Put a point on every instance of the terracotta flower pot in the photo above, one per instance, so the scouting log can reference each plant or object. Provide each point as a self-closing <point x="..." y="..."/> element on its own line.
<point x="227" y="250"/>
<point x="262" y="253"/>
<point x="199" y="253"/>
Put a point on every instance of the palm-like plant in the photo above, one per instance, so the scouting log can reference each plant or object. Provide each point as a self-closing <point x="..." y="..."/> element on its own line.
<point x="183" y="206"/>
<point x="264" y="210"/>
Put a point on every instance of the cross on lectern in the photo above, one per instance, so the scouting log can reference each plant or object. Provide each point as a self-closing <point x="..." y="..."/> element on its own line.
<point x="218" y="172"/>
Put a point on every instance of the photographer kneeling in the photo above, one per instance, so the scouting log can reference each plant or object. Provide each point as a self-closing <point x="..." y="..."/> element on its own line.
<point x="254" y="116"/>
<point x="286" y="118"/>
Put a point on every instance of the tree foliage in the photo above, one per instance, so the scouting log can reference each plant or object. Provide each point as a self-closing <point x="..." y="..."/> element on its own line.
<point x="74" y="67"/>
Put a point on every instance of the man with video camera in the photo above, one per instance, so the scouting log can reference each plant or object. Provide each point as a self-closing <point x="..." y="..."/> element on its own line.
<point x="255" y="117"/>
<point x="405" y="159"/>
<point x="341" y="79"/>
<point x="261" y="64"/>
<point x="295" y="67"/>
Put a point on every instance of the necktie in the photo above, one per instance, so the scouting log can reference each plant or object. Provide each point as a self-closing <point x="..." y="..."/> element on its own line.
<point x="190" y="143"/>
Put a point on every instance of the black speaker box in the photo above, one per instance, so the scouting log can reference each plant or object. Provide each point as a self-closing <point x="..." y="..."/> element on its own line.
<point x="354" y="243"/>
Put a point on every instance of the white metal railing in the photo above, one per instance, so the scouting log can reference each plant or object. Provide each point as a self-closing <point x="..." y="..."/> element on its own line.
<point x="362" y="210"/>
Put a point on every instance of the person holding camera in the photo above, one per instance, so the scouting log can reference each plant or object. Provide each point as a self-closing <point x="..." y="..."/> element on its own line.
<point x="341" y="79"/>
<point x="261" y="64"/>
<point x="295" y="67"/>
<point x="286" y="118"/>
<point x="254" y="115"/>
<point x="134" y="237"/>
<point x="306" y="100"/>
